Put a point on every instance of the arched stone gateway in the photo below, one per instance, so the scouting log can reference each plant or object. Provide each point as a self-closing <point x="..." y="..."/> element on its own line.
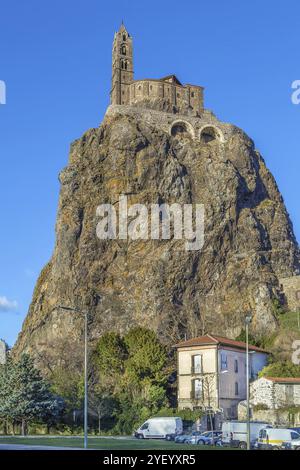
<point x="182" y="129"/>
<point x="210" y="133"/>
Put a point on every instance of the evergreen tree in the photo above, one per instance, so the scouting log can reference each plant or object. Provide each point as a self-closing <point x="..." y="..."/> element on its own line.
<point x="147" y="357"/>
<point x="110" y="354"/>
<point x="24" y="394"/>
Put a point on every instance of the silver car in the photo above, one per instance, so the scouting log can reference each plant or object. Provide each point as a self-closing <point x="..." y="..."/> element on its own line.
<point x="207" y="438"/>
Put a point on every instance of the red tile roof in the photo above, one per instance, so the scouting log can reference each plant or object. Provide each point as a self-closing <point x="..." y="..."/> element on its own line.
<point x="285" y="380"/>
<point x="217" y="340"/>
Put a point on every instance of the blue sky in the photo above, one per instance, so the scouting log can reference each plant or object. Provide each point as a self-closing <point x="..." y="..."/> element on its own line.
<point x="55" y="58"/>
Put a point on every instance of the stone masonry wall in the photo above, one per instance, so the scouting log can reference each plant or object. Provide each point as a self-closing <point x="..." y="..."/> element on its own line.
<point x="187" y="99"/>
<point x="274" y="417"/>
<point x="273" y="395"/>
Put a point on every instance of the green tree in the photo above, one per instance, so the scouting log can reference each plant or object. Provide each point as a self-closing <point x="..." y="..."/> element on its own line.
<point x="110" y="354"/>
<point x="7" y="382"/>
<point x="101" y="403"/>
<point x="147" y="357"/>
<point x="67" y="383"/>
<point x="24" y="395"/>
<point x="135" y="369"/>
<point x="280" y="369"/>
<point x="252" y="340"/>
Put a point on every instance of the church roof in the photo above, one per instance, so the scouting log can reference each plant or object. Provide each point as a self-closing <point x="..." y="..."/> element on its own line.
<point x="171" y="78"/>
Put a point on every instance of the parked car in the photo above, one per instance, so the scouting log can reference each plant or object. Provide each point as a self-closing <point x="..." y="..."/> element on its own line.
<point x="191" y="436"/>
<point x="170" y="437"/>
<point x="234" y="433"/>
<point x="182" y="438"/>
<point x="159" y="428"/>
<point x="276" y="438"/>
<point x="207" y="438"/>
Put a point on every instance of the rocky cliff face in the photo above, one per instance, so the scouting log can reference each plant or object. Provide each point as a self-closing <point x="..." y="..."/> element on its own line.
<point x="249" y="241"/>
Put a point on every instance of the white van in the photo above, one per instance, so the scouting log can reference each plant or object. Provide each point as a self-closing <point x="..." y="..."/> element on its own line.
<point x="158" y="428"/>
<point x="275" y="437"/>
<point x="234" y="433"/>
<point x="294" y="444"/>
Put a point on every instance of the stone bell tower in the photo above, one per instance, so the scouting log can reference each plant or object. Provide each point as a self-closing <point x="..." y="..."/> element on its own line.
<point x="122" y="67"/>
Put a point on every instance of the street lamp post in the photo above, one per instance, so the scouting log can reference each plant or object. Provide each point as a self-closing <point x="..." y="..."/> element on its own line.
<point x="248" y="320"/>
<point x="85" y="313"/>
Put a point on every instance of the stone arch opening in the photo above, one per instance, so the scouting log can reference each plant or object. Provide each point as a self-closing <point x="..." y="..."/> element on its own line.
<point x="182" y="129"/>
<point x="210" y="134"/>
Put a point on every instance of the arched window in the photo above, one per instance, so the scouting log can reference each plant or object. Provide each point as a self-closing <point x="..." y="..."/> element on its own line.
<point x="126" y="65"/>
<point x="209" y="134"/>
<point x="123" y="50"/>
<point x="182" y="129"/>
<point x="122" y="64"/>
<point x="124" y="37"/>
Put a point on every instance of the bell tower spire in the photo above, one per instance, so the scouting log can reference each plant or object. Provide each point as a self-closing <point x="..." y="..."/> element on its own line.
<point x="122" y="67"/>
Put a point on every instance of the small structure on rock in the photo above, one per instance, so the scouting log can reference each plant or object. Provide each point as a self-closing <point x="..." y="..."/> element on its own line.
<point x="3" y="351"/>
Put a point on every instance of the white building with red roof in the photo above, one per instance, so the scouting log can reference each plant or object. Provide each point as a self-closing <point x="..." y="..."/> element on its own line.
<point x="211" y="372"/>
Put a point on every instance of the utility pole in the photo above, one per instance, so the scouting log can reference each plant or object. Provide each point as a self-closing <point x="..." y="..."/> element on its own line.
<point x="248" y="320"/>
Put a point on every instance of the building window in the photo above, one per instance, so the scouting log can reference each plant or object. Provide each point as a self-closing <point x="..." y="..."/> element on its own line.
<point x="236" y="388"/>
<point x="223" y="361"/>
<point x="197" y="364"/>
<point x="197" y="389"/>
<point x="236" y="366"/>
<point x="124" y="37"/>
<point x="192" y="94"/>
<point x="123" y="50"/>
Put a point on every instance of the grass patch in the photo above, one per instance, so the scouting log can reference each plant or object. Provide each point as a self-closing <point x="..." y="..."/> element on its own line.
<point x="102" y="443"/>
